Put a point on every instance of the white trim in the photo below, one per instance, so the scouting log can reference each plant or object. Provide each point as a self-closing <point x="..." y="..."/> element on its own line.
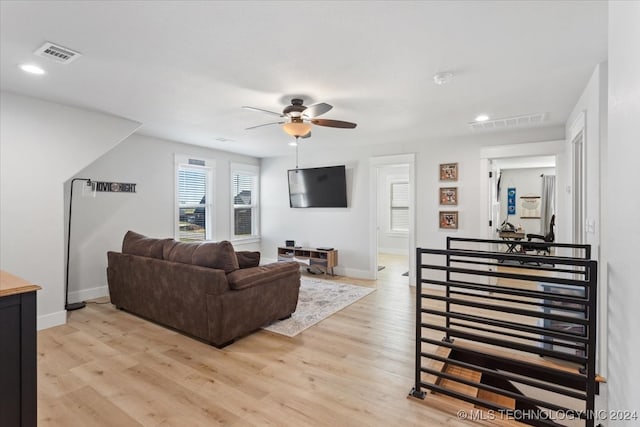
<point x="529" y="149"/>
<point x="91" y="293"/>
<point x="50" y="320"/>
<point x="210" y="164"/>
<point x="374" y="164"/>
<point x="255" y="203"/>
<point x="339" y="271"/>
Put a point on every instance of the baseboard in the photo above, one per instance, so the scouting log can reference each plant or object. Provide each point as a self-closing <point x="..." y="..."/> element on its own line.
<point x="86" y="294"/>
<point x="352" y="272"/>
<point x="50" y="320"/>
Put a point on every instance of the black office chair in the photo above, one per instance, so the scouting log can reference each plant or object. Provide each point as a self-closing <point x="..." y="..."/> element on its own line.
<point x="550" y="237"/>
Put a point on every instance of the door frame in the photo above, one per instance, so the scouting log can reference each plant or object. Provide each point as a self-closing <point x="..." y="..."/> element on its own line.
<point x="376" y="163"/>
<point x="488" y="153"/>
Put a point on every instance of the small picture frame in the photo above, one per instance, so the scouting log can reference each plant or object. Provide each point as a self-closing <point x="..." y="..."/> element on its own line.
<point x="448" y="172"/>
<point x="448" y="195"/>
<point x="449" y="219"/>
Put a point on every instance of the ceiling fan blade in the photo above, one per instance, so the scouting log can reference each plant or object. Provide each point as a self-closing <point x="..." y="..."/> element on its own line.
<point x="316" y="110"/>
<point x="333" y="123"/>
<point x="263" y="111"/>
<point x="265" y="124"/>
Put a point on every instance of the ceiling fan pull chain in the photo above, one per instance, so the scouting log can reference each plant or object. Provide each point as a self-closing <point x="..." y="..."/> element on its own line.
<point x="297" y="152"/>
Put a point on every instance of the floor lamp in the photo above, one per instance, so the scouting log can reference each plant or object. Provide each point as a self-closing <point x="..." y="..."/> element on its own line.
<point x="81" y="304"/>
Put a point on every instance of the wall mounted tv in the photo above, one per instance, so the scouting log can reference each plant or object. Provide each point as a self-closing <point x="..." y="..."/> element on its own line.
<point x="318" y="187"/>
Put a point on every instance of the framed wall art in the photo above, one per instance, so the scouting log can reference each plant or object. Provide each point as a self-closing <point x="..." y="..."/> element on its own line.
<point x="449" y="219"/>
<point x="448" y="172"/>
<point x="448" y="195"/>
<point x="530" y="206"/>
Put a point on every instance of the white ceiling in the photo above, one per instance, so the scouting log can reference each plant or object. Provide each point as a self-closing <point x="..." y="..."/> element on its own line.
<point x="183" y="69"/>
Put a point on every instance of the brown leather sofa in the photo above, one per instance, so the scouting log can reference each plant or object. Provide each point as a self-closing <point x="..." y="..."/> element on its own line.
<point x="206" y="290"/>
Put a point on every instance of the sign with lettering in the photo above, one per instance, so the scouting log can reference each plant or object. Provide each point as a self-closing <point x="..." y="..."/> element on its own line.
<point x="113" y="187"/>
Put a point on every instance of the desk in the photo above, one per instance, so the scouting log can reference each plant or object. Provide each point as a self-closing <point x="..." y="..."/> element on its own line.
<point x="512" y="239"/>
<point x="18" y="405"/>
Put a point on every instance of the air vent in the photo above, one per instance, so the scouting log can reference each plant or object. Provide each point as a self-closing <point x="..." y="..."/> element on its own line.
<point x="528" y="120"/>
<point x="57" y="53"/>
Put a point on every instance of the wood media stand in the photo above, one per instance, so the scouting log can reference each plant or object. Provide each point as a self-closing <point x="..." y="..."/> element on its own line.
<point x="322" y="258"/>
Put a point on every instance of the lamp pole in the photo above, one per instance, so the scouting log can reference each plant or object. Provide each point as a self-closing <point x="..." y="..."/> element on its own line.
<point x="81" y="304"/>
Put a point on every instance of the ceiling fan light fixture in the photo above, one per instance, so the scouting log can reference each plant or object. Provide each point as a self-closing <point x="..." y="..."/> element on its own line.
<point x="297" y="129"/>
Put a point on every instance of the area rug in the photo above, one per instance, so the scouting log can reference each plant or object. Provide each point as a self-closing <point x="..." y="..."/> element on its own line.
<point x="318" y="299"/>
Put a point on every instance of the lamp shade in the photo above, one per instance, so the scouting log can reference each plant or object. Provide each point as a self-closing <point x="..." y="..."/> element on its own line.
<point x="297" y="128"/>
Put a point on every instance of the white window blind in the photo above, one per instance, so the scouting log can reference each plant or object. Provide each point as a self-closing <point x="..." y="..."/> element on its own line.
<point x="399" y="205"/>
<point x="194" y="204"/>
<point x="244" y="191"/>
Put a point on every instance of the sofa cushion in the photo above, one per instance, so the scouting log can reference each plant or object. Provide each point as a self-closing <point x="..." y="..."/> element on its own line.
<point x="137" y="244"/>
<point x="247" y="259"/>
<point x="216" y="255"/>
<point x="255" y="276"/>
<point x="220" y="255"/>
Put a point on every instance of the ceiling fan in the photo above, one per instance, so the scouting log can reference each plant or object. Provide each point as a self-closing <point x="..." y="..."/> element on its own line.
<point x="298" y="118"/>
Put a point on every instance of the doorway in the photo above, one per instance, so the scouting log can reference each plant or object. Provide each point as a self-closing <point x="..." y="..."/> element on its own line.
<point x="393" y="218"/>
<point x="519" y="200"/>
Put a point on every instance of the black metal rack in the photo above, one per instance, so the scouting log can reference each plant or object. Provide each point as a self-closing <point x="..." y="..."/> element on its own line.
<point x="524" y="323"/>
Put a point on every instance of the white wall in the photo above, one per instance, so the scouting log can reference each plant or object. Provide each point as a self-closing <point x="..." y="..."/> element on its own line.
<point x="527" y="182"/>
<point x="390" y="242"/>
<point x="348" y="230"/>
<point x="592" y="106"/>
<point x="42" y="144"/>
<point x="621" y="211"/>
<point x="99" y="223"/>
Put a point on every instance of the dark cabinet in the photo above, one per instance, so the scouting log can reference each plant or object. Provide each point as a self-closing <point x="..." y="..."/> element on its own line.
<point x="18" y="374"/>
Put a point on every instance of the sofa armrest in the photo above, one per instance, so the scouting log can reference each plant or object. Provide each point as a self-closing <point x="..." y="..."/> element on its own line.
<point x="256" y="276"/>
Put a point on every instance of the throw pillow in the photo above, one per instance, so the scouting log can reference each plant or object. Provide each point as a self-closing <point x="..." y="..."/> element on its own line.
<point x="137" y="244"/>
<point x="248" y="259"/>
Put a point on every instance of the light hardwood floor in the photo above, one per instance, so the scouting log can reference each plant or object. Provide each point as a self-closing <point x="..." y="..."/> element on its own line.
<point x="109" y="368"/>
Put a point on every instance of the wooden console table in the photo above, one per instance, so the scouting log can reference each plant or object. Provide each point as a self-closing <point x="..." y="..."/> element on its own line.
<point x="323" y="259"/>
<point x="18" y="379"/>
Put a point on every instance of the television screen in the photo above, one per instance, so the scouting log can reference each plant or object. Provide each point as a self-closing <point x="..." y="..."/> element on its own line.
<point x="318" y="187"/>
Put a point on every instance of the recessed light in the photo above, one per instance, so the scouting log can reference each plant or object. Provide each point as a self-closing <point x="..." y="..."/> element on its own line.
<point x="32" y="69"/>
<point x="482" y="118"/>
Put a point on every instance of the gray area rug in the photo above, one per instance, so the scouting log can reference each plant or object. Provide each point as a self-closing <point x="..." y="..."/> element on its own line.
<point x="318" y="300"/>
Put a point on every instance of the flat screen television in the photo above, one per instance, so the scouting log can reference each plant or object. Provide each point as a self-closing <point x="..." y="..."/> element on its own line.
<point x="318" y="187"/>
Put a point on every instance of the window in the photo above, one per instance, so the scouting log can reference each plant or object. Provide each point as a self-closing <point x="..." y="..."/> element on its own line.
<point x="244" y="194"/>
<point x="399" y="205"/>
<point x="194" y="195"/>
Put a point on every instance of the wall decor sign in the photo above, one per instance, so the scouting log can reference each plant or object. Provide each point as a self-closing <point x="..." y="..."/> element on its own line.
<point x="511" y="201"/>
<point x="449" y="219"/>
<point x="448" y="195"/>
<point x="530" y="206"/>
<point x="448" y="172"/>
<point x="113" y="187"/>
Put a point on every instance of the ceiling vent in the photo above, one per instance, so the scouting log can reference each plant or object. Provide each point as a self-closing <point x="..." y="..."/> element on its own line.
<point x="510" y="122"/>
<point x="57" y="53"/>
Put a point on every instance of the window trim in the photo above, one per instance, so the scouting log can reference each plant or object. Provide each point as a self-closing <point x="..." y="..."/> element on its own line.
<point x="253" y="170"/>
<point x="390" y="183"/>
<point x="181" y="161"/>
